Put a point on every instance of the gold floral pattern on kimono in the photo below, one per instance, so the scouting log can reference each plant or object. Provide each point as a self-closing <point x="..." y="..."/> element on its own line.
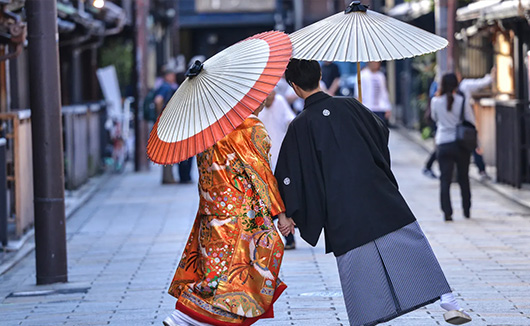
<point x="228" y="274"/>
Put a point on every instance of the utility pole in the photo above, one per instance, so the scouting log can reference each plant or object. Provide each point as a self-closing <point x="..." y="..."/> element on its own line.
<point x="444" y="12"/>
<point x="175" y="31"/>
<point x="140" y="13"/>
<point x="298" y="8"/>
<point x="46" y="127"/>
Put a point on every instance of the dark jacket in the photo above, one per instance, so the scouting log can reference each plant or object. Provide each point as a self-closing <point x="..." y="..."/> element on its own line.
<point x="334" y="173"/>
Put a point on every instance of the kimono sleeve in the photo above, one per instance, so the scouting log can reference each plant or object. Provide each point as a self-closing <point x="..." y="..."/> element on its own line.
<point x="385" y="136"/>
<point x="288" y="174"/>
<point x="255" y="158"/>
<point x="300" y="181"/>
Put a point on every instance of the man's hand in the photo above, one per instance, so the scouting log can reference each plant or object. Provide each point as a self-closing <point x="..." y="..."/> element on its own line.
<point x="285" y="224"/>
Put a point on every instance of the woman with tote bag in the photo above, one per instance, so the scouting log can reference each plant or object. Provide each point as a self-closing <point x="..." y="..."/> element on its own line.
<point x="452" y="115"/>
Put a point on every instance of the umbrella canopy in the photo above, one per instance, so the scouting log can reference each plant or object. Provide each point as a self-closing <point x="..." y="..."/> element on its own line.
<point x="361" y="35"/>
<point x="218" y="96"/>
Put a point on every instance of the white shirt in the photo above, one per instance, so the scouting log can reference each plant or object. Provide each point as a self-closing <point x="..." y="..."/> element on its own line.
<point x="448" y="120"/>
<point x="470" y="85"/>
<point x="276" y="119"/>
<point x="283" y="87"/>
<point x="375" y="93"/>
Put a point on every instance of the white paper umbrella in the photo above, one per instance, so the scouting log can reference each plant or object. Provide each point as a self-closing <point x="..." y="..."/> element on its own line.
<point x="218" y="96"/>
<point x="362" y="35"/>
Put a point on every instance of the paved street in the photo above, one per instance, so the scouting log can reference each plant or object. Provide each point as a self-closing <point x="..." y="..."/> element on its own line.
<point x="124" y="244"/>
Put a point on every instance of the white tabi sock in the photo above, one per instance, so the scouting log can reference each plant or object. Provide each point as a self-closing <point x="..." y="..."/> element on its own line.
<point x="448" y="302"/>
<point x="178" y="318"/>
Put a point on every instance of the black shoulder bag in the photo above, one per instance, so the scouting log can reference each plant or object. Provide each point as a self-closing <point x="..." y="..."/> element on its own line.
<point x="466" y="133"/>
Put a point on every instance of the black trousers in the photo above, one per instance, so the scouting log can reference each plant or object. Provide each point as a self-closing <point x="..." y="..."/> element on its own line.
<point x="479" y="161"/>
<point x="185" y="170"/>
<point x="477" y="158"/>
<point x="449" y="155"/>
<point x="431" y="160"/>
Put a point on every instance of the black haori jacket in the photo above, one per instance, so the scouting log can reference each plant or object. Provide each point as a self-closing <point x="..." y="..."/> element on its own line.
<point x="334" y="173"/>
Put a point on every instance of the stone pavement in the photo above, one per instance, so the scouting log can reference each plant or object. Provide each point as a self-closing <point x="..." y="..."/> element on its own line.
<point x="124" y="244"/>
<point x="19" y="248"/>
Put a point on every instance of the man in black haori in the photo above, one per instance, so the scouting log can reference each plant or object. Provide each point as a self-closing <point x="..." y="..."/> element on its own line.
<point x="334" y="174"/>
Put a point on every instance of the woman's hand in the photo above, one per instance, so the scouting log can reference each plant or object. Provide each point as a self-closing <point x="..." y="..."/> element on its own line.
<point x="285" y="224"/>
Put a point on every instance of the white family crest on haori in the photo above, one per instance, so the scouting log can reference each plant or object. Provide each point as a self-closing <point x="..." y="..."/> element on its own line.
<point x="218" y="96"/>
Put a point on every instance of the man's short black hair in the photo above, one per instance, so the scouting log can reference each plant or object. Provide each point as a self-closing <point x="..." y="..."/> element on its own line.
<point x="304" y="73"/>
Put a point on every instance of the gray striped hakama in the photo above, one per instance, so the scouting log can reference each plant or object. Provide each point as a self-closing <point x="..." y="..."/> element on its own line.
<point x="388" y="277"/>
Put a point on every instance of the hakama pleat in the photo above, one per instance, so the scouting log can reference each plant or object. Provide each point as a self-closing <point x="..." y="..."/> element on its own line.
<point x="390" y="276"/>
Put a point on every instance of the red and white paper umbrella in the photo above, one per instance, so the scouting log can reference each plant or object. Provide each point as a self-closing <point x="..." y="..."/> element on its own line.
<point x="218" y="96"/>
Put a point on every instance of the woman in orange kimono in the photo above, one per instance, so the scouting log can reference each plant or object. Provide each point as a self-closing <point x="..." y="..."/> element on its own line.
<point x="228" y="274"/>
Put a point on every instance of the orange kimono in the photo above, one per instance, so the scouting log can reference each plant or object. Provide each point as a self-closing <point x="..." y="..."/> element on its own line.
<point x="228" y="274"/>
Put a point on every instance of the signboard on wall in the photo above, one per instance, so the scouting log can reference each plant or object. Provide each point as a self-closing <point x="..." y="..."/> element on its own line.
<point x="504" y="62"/>
<point x="224" y="6"/>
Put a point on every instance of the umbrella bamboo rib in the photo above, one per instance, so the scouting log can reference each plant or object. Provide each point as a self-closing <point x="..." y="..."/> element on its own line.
<point x="194" y="116"/>
<point x="175" y="111"/>
<point x="209" y="99"/>
<point x="196" y="131"/>
<point x="213" y="113"/>
<point x="339" y="39"/>
<point x="185" y="112"/>
<point x="228" y="83"/>
<point x="416" y="34"/>
<point x="216" y="118"/>
<point x="216" y="99"/>
<point x="356" y="58"/>
<point x="362" y="36"/>
<point x="390" y="41"/>
<point x="348" y="39"/>
<point x="409" y="41"/>
<point x="366" y="46"/>
<point x="412" y="32"/>
<point x="316" y="37"/>
<point x="373" y="36"/>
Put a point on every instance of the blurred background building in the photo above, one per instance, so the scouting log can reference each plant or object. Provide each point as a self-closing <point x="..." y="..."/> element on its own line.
<point x="139" y="37"/>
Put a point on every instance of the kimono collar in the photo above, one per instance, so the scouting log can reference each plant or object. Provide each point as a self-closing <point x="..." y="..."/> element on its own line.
<point x="315" y="98"/>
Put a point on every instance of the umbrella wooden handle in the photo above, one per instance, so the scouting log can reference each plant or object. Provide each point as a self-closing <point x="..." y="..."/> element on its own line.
<point x="359" y="88"/>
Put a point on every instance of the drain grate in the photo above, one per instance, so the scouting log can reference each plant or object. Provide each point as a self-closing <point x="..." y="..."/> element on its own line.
<point x="42" y="293"/>
<point x="326" y="294"/>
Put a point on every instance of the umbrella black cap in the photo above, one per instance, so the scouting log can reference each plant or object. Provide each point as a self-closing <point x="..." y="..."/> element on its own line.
<point x="356" y="6"/>
<point x="195" y="69"/>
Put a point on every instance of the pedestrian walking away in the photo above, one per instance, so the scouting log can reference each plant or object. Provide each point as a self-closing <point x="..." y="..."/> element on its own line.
<point x="375" y="91"/>
<point x="331" y="76"/>
<point x="168" y="86"/>
<point x="228" y="274"/>
<point x="334" y="174"/>
<point x="447" y="108"/>
<point x="467" y="86"/>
